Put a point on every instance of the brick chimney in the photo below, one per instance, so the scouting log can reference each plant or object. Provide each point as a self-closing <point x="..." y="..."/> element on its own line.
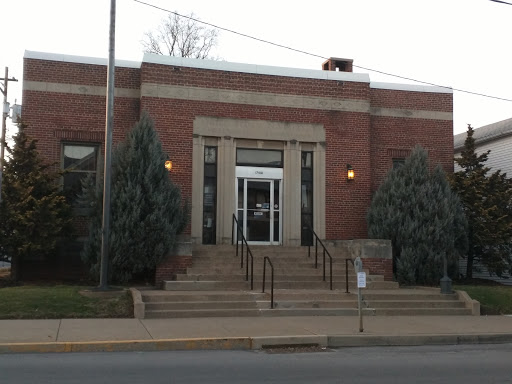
<point x="337" y="64"/>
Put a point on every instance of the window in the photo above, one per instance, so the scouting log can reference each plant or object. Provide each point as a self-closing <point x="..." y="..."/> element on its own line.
<point x="210" y="195"/>
<point x="78" y="162"/>
<point x="306" y="197"/>
<point x="259" y="157"/>
<point x="398" y="163"/>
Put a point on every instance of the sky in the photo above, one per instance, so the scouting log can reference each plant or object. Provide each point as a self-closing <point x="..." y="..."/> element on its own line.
<point x="463" y="44"/>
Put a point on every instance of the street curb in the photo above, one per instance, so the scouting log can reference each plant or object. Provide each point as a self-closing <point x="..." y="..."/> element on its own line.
<point x="228" y="343"/>
<point x="261" y="342"/>
<point x="254" y="343"/>
<point x="415" y="340"/>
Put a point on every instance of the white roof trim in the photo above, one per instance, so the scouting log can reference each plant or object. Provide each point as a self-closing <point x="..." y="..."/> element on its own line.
<point x="78" y="59"/>
<point x="238" y="67"/>
<point x="255" y="69"/>
<point x="410" y="87"/>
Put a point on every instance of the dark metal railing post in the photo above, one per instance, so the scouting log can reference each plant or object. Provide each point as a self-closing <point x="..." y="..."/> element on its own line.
<point x="346" y="275"/>
<point x="237" y="233"/>
<point x="252" y="272"/>
<point x="316" y="253"/>
<point x="324" y="263"/>
<point x="309" y="243"/>
<point x="242" y="256"/>
<point x="247" y="266"/>
<point x="272" y="289"/>
<point x="271" y="281"/>
<point x="241" y="238"/>
<point x="330" y="271"/>
<point x="324" y="252"/>
<point x="264" y="274"/>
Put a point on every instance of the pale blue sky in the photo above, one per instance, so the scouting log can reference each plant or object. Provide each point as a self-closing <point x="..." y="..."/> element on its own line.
<point x="459" y="43"/>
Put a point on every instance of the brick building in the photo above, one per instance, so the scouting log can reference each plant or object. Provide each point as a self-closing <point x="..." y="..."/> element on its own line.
<point x="271" y="145"/>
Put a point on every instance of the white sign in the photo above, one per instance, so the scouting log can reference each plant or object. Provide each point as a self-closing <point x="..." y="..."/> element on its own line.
<point x="361" y="279"/>
<point x="259" y="173"/>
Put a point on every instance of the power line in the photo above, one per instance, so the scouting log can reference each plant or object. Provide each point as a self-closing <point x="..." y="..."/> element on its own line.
<point x="230" y="30"/>
<point x="433" y="84"/>
<point x="502" y="2"/>
<point x="323" y="57"/>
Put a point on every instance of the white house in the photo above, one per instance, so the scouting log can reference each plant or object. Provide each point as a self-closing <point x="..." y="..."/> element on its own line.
<point x="497" y="138"/>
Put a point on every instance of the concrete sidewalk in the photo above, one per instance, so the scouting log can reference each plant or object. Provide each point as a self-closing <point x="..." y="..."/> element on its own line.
<point x="87" y="335"/>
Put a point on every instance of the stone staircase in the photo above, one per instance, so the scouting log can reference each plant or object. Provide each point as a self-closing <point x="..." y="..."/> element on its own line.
<point x="215" y="286"/>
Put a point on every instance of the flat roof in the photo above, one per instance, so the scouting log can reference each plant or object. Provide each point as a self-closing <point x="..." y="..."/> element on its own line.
<point x="78" y="59"/>
<point x="255" y="68"/>
<point x="410" y="87"/>
<point x="220" y="65"/>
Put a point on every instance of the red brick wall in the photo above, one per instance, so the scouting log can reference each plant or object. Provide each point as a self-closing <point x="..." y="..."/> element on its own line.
<point x="164" y="74"/>
<point x="379" y="267"/>
<point x="170" y="267"/>
<point x="54" y="118"/>
<point x="388" y="98"/>
<point x="77" y="73"/>
<point x="347" y="136"/>
<point x="394" y="137"/>
<point x="364" y="141"/>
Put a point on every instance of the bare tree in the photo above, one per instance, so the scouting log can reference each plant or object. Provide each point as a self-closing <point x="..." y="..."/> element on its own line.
<point x="181" y="36"/>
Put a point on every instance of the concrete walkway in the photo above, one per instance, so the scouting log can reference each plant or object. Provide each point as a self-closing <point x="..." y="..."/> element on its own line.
<point x="87" y="335"/>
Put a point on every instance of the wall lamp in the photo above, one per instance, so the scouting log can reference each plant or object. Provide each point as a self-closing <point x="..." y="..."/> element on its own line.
<point x="350" y="173"/>
<point x="168" y="165"/>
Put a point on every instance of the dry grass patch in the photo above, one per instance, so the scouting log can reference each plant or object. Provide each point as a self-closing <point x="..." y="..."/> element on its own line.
<point x="60" y="301"/>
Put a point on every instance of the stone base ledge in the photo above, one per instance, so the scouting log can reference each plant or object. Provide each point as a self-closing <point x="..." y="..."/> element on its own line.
<point x="139" y="308"/>
<point x="470" y="303"/>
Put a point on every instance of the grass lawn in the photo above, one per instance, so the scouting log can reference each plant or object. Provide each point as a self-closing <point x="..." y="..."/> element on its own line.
<point x="494" y="299"/>
<point x="60" y="301"/>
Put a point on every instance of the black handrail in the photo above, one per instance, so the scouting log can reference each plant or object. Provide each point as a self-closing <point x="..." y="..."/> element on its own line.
<point x="271" y="282"/>
<point x="346" y="273"/>
<point x="325" y="252"/>
<point x="241" y="238"/>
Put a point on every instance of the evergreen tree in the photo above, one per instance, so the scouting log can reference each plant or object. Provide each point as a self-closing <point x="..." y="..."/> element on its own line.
<point x="34" y="214"/>
<point x="146" y="211"/>
<point x="421" y="216"/>
<point x="487" y="202"/>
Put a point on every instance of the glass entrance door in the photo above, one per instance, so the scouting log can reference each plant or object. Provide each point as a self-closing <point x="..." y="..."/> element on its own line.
<point x="259" y="204"/>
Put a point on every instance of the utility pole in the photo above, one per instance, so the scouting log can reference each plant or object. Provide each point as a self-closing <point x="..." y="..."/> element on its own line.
<point x="105" y="228"/>
<point x="4" y="121"/>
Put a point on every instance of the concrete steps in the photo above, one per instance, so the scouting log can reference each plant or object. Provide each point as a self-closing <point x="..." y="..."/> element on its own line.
<point x="258" y="270"/>
<point x="393" y="304"/>
<point x="255" y="313"/>
<point x="205" y="285"/>
<point x="407" y="302"/>
<point x="174" y="306"/>
<point x="422" y="312"/>
<point x="208" y="285"/>
<point x="258" y="277"/>
<point x="215" y="286"/>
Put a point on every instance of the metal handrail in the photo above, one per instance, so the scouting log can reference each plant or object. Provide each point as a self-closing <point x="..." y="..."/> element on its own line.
<point x="248" y="252"/>
<point x="346" y="273"/>
<point x="325" y="252"/>
<point x="271" y="282"/>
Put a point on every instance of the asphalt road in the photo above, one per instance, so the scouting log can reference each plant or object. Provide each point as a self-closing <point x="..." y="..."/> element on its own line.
<point x="440" y="364"/>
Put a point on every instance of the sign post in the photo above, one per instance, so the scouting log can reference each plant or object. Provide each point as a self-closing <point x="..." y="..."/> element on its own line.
<point x="361" y="283"/>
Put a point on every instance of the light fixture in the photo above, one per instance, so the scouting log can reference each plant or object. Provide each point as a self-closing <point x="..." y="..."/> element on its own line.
<point x="168" y="165"/>
<point x="350" y="172"/>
